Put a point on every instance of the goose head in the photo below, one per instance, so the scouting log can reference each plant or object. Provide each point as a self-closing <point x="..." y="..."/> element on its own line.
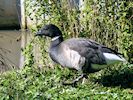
<point x="49" y="30"/>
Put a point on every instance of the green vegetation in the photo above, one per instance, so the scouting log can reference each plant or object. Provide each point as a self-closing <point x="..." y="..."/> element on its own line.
<point x="106" y="21"/>
<point x="33" y="83"/>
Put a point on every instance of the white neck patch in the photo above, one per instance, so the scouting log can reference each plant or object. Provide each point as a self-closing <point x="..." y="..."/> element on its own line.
<point x="55" y="38"/>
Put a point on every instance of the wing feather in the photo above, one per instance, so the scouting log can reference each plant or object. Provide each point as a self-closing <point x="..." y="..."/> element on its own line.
<point x="89" y="49"/>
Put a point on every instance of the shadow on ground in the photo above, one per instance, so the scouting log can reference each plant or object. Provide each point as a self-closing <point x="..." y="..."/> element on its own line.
<point x="122" y="78"/>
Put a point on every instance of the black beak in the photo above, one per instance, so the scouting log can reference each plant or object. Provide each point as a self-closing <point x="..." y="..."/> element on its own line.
<point x="38" y="33"/>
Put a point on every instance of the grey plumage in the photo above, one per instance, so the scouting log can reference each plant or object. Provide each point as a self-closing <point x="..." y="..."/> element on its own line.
<point x="78" y="53"/>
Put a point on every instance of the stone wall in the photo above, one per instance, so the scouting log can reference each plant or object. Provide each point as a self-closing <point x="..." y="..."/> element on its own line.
<point x="9" y="13"/>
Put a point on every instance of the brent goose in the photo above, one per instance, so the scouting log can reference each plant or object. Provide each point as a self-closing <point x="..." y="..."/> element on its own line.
<point x="81" y="54"/>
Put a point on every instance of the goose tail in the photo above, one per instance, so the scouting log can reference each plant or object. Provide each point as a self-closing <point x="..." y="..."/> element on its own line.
<point x="112" y="58"/>
<point x="122" y="58"/>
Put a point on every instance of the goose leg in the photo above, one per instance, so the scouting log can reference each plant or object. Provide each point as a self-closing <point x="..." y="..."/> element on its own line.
<point x="74" y="82"/>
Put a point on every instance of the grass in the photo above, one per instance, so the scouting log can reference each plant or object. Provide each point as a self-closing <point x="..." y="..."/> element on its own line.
<point x="43" y="84"/>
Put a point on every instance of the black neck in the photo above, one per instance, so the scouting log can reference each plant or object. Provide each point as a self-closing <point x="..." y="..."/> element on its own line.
<point x="56" y="41"/>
